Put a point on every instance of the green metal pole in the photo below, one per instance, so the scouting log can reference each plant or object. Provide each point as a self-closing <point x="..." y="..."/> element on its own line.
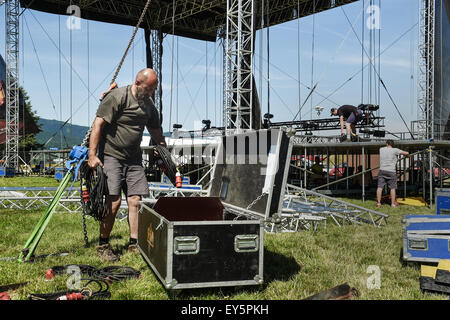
<point x="33" y="240"/>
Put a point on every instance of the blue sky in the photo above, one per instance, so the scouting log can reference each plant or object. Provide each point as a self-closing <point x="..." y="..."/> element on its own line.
<point x="337" y="57"/>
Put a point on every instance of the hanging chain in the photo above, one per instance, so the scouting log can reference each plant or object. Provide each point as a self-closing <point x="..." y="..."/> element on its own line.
<point x="141" y="18"/>
<point x="256" y="200"/>
<point x="83" y="219"/>
<point x="85" y="142"/>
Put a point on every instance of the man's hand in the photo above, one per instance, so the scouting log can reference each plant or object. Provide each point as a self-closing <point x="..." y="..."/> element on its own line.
<point x="94" y="161"/>
<point x="155" y="151"/>
<point x="112" y="86"/>
<point x="94" y="139"/>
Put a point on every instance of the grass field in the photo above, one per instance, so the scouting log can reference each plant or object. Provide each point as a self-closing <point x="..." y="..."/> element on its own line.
<point x="296" y="265"/>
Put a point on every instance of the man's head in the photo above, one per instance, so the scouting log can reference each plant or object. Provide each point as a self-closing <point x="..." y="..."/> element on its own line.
<point x="146" y="83"/>
<point x="334" y="111"/>
<point x="389" y="143"/>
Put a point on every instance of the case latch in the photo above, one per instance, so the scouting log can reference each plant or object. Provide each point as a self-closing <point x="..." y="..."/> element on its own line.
<point x="186" y="245"/>
<point x="418" y="244"/>
<point x="246" y="243"/>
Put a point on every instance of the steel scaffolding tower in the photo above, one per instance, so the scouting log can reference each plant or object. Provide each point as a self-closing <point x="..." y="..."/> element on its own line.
<point x="157" y="42"/>
<point x="12" y="83"/>
<point x="425" y="112"/>
<point x="226" y="74"/>
<point x="239" y="65"/>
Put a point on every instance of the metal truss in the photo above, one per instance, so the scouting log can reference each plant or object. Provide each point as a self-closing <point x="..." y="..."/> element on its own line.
<point x="239" y="64"/>
<point x="158" y="190"/>
<point x="226" y="73"/>
<point x="157" y="43"/>
<point x="35" y="198"/>
<point x="301" y="202"/>
<point x="370" y="121"/>
<point x="302" y="139"/>
<point x="198" y="19"/>
<point x="32" y="198"/>
<point x="285" y="10"/>
<point x="185" y="9"/>
<point x="12" y="83"/>
<point x="426" y="41"/>
<point x="292" y="221"/>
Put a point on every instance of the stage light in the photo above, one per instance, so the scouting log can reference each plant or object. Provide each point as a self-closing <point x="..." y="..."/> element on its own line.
<point x="379" y="133"/>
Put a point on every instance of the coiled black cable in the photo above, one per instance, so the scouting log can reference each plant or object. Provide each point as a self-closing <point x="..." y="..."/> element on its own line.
<point x="87" y="293"/>
<point x="109" y="273"/>
<point x="97" y="277"/>
<point x="117" y="273"/>
<point x="84" y="269"/>
<point x="93" y="190"/>
<point x="166" y="163"/>
<point x="94" y="180"/>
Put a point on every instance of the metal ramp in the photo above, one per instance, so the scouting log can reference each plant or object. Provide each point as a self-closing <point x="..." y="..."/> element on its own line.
<point x="305" y="209"/>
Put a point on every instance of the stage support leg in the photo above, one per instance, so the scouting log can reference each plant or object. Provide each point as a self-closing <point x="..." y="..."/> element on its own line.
<point x="363" y="169"/>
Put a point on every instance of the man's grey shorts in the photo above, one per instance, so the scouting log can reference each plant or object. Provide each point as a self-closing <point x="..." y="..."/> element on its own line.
<point x="353" y="119"/>
<point x="387" y="177"/>
<point x="128" y="176"/>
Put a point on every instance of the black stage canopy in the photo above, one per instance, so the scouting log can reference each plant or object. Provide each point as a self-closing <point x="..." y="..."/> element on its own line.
<point x="197" y="19"/>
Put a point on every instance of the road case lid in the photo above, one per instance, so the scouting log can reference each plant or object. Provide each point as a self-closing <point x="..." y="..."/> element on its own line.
<point x="251" y="170"/>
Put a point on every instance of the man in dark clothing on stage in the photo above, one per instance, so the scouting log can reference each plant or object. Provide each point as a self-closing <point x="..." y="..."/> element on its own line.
<point x="115" y="145"/>
<point x="351" y="115"/>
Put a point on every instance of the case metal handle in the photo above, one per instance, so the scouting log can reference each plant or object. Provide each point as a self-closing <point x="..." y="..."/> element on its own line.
<point x="186" y="245"/>
<point x="418" y="244"/>
<point x="246" y="243"/>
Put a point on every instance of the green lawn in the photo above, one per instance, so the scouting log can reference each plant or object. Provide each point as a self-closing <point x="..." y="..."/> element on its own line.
<point x="296" y="265"/>
<point x="24" y="181"/>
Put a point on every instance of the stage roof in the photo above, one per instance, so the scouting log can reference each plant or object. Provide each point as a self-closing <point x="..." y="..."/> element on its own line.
<point x="197" y="19"/>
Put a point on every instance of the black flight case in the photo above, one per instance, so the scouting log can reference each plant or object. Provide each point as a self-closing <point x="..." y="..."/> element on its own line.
<point x="218" y="240"/>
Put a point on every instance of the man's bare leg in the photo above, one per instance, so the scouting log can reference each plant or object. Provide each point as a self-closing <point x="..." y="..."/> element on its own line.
<point x="379" y="193"/>
<point x="349" y="129"/>
<point x="393" y="197"/>
<point x="133" y="207"/>
<point x="112" y="206"/>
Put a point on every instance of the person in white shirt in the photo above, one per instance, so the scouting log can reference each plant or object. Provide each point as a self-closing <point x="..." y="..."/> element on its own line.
<point x="387" y="174"/>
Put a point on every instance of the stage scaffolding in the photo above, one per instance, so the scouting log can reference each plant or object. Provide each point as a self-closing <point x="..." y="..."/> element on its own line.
<point x="413" y="172"/>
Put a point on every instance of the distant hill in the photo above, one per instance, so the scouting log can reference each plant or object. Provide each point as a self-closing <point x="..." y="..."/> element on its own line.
<point x="49" y="127"/>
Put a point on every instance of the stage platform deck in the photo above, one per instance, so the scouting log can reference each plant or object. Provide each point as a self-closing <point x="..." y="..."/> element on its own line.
<point x="300" y="144"/>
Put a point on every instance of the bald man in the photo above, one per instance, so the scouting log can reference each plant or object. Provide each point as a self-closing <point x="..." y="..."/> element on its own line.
<point x="114" y="144"/>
